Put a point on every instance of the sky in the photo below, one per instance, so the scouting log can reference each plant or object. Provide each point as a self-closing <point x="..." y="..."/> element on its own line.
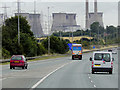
<point x="108" y="7"/>
<point x="60" y="0"/>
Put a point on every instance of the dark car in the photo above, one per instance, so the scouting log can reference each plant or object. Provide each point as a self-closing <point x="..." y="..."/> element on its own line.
<point x="18" y="61"/>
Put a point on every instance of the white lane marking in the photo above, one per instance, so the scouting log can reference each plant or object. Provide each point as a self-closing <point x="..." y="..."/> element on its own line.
<point x="94" y="86"/>
<point x="40" y="81"/>
<point x="3" y="79"/>
<point x="91" y="81"/>
<point x="89" y="77"/>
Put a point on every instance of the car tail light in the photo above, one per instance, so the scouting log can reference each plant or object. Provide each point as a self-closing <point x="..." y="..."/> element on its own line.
<point x="22" y="61"/>
<point x="103" y="62"/>
<point x="92" y="63"/>
<point x="11" y="61"/>
<point x="111" y="64"/>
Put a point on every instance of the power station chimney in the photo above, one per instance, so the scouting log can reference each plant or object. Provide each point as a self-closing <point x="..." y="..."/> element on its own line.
<point x="95" y="6"/>
<point x="95" y="10"/>
<point x="34" y="7"/>
<point x="87" y="11"/>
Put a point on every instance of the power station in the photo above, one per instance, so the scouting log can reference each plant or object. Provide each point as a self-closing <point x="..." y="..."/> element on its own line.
<point x="93" y="16"/>
<point x="64" y="21"/>
<point x="35" y="23"/>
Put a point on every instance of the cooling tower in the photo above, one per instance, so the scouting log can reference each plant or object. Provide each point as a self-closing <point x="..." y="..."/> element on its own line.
<point x="62" y="21"/>
<point x="96" y="18"/>
<point x="34" y="22"/>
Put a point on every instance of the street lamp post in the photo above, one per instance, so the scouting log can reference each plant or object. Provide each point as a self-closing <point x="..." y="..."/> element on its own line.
<point x="81" y="36"/>
<point x="90" y="39"/>
<point x="48" y="33"/>
<point x="18" y="3"/>
<point x="72" y="34"/>
<point x="98" y="37"/>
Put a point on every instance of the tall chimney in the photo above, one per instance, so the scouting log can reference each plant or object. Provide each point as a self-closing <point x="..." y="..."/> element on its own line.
<point x="95" y="10"/>
<point x="87" y="11"/>
<point x="95" y="6"/>
<point x="34" y="7"/>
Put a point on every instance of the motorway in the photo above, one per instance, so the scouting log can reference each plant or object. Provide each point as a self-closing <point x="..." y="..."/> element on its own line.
<point x="59" y="73"/>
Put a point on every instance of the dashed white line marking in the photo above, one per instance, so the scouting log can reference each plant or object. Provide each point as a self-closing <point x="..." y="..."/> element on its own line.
<point x="94" y="86"/>
<point x="40" y="81"/>
<point x="89" y="77"/>
<point x="3" y="79"/>
<point x="91" y="81"/>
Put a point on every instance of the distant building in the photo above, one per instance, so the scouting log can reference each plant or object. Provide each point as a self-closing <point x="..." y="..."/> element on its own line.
<point x="119" y="13"/>
<point x="93" y="17"/>
<point x="35" y="23"/>
<point x="1" y="19"/>
<point x="64" y="21"/>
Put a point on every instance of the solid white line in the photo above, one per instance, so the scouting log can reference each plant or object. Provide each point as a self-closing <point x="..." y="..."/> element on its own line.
<point x="40" y="81"/>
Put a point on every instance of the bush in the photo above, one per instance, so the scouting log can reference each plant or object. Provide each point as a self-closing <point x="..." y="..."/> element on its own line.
<point x="41" y="49"/>
<point x="5" y="53"/>
<point x="56" y="45"/>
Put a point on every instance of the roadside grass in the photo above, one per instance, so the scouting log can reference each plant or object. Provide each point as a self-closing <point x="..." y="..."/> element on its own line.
<point x="6" y="63"/>
<point x="0" y="53"/>
<point x="48" y="57"/>
<point x="42" y="58"/>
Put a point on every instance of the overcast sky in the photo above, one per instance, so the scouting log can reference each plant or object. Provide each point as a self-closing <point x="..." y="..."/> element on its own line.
<point x="108" y="7"/>
<point x="60" y="0"/>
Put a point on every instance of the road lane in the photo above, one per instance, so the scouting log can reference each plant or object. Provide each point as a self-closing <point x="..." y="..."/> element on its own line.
<point x="36" y="71"/>
<point x="78" y="75"/>
<point x="75" y="74"/>
<point x="106" y="80"/>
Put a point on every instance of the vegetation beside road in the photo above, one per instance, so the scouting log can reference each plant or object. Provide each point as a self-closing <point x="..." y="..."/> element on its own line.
<point x="28" y="44"/>
<point x="30" y="47"/>
<point x="100" y="35"/>
<point x="52" y="56"/>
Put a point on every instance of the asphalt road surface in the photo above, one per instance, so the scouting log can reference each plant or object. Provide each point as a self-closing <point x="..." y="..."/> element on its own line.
<point x="59" y="73"/>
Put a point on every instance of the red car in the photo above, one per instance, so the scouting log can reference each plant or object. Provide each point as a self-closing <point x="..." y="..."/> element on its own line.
<point x="18" y="61"/>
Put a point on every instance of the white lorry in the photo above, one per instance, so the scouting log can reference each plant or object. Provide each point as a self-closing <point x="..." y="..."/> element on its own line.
<point x="76" y="51"/>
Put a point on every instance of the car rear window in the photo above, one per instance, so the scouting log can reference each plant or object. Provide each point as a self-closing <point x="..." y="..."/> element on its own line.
<point x="109" y="50"/>
<point x="16" y="58"/>
<point x="102" y="56"/>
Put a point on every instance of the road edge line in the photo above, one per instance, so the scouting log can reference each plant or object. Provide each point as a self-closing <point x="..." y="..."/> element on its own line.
<point x="41" y="80"/>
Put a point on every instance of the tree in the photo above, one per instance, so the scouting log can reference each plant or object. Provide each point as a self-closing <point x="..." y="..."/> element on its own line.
<point x="56" y="45"/>
<point x="28" y="44"/>
<point x="95" y="27"/>
<point x="111" y="29"/>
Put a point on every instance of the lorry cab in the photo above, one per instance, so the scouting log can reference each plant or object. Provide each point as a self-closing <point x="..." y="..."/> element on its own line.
<point x="76" y="51"/>
<point x="102" y="62"/>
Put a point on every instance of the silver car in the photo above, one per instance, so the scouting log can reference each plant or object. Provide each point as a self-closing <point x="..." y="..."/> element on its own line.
<point x="102" y="62"/>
